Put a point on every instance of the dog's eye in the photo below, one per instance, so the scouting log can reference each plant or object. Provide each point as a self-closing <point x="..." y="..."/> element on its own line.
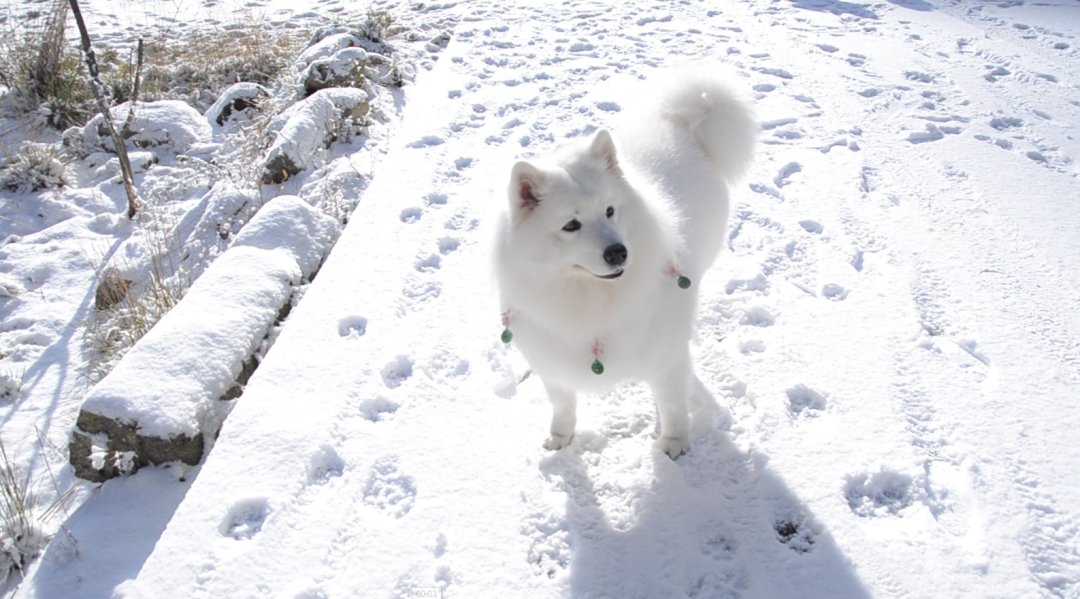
<point x="610" y="211"/>
<point x="572" y="226"/>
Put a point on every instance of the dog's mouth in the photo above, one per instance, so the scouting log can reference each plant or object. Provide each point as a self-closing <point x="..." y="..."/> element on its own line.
<point x="608" y="277"/>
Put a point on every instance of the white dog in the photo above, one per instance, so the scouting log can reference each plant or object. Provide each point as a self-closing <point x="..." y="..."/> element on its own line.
<point x="597" y="256"/>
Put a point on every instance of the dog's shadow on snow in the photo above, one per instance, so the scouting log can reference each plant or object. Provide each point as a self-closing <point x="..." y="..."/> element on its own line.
<point x="718" y="522"/>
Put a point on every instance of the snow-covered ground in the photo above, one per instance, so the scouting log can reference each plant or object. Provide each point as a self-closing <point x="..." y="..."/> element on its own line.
<point x="892" y="339"/>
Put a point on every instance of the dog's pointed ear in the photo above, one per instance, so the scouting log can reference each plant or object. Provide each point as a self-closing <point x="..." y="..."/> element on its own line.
<point x="525" y="194"/>
<point x="603" y="147"/>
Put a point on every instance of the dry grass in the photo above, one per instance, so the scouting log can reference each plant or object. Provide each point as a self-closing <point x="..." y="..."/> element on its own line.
<point x="22" y="522"/>
<point x="42" y="70"/>
<point x="200" y="67"/>
<point x="46" y="74"/>
<point x="34" y="167"/>
<point x="110" y="334"/>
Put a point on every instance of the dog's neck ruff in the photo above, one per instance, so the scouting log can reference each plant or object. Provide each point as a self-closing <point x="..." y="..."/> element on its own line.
<point x="597" y="349"/>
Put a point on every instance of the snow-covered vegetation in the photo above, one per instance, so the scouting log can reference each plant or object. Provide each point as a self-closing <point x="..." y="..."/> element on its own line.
<point x="81" y="284"/>
<point x="890" y="339"/>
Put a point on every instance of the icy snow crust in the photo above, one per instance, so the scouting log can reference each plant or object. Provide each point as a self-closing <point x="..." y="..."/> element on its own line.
<point x="891" y="340"/>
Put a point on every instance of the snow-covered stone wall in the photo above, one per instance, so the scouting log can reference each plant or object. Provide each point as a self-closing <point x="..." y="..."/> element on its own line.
<point x="164" y="399"/>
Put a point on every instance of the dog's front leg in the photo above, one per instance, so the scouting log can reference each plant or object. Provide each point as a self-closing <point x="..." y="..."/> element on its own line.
<point x="563" y="416"/>
<point x="670" y="391"/>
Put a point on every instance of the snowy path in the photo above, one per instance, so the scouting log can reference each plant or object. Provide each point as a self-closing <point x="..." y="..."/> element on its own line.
<point x="893" y="332"/>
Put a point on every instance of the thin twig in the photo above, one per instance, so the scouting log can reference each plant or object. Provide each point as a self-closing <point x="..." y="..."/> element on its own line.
<point x="103" y="106"/>
<point x="134" y="88"/>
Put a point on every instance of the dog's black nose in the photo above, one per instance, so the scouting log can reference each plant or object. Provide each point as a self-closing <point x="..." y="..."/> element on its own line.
<point x="615" y="254"/>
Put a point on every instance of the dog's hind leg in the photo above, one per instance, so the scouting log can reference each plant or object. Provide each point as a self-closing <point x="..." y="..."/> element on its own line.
<point x="563" y="416"/>
<point x="670" y="392"/>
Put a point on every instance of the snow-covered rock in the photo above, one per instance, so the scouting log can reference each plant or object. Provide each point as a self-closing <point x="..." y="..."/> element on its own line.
<point x="163" y="400"/>
<point x="328" y="42"/>
<point x="169" y="124"/>
<point x="238" y="98"/>
<point x="308" y="128"/>
<point x="344" y="69"/>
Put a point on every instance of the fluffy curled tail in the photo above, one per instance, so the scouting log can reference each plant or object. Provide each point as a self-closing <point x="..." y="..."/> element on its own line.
<point x="704" y="101"/>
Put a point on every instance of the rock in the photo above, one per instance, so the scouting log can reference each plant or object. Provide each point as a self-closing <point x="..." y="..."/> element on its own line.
<point x="121" y="438"/>
<point x="164" y="400"/>
<point x="238" y="98"/>
<point x="309" y="127"/>
<point x="327" y="42"/>
<point x="166" y="124"/>
<point x="344" y="69"/>
<point x="112" y="289"/>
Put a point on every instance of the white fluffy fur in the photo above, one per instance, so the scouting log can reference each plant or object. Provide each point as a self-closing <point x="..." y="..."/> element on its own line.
<point x="667" y="181"/>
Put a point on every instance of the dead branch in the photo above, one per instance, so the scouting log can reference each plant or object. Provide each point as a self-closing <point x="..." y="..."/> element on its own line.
<point x="103" y="106"/>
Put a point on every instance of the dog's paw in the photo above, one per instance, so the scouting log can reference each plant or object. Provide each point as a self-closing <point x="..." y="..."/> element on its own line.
<point x="675" y="446"/>
<point x="556" y="441"/>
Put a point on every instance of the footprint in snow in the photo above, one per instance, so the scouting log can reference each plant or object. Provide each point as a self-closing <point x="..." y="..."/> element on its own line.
<point x="245" y="518"/>
<point x="445" y="364"/>
<point x="1003" y="123"/>
<point x="461" y="222"/>
<point x="444" y="576"/>
<point x="795" y="533"/>
<point x="411" y="215"/>
<point x="397" y="371"/>
<point x="920" y="77"/>
<point x="720" y="547"/>
<point x="377" y="409"/>
<point x="758" y="283"/>
<point x="883" y="493"/>
<point x="758" y="317"/>
<point x="858" y="260"/>
<point x="448" y="245"/>
<point x="426" y="142"/>
<point x="419" y="291"/>
<point x="430" y="263"/>
<point x="803" y="400"/>
<point x="781" y="73"/>
<point x="784" y="175"/>
<point x="811" y="226"/>
<point x="834" y="292"/>
<point x="434" y="199"/>
<point x="352" y="327"/>
<point x="751" y="346"/>
<point x="995" y="72"/>
<point x="856" y="60"/>
<point x="389" y="489"/>
<point x="932" y="133"/>
<point x="324" y="465"/>
<point x="549" y="543"/>
<point x="439" y="549"/>
<point x="765" y="190"/>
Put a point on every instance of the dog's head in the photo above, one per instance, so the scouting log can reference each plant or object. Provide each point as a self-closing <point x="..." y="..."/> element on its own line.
<point x="571" y="213"/>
